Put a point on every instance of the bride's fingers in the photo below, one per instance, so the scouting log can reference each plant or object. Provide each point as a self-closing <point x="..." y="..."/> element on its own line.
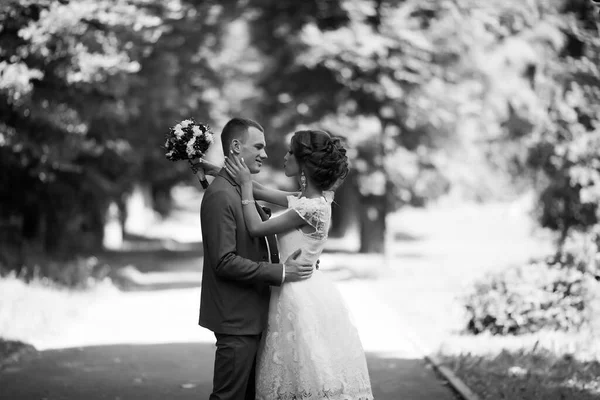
<point x="232" y="158"/>
<point x="233" y="169"/>
<point x="229" y="162"/>
<point x="238" y="160"/>
<point x="233" y="155"/>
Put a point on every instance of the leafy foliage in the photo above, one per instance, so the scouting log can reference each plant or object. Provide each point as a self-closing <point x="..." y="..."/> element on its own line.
<point x="560" y="132"/>
<point x="394" y="78"/>
<point x="580" y="251"/>
<point x="559" y="292"/>
<point x="88" y="90"/>
<point x="563" y="138"/>
<point x="531" y="297"/>
<point x="62" y="84"/>
<point x="364" y="70"/>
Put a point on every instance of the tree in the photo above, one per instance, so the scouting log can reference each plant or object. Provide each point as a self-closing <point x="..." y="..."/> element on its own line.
<point x="548" y="131"/>
<point x="391" y="77"/>
<point x="182" y="75"/>
<point x="64" y="69"/>
<point x="565" y="150"/>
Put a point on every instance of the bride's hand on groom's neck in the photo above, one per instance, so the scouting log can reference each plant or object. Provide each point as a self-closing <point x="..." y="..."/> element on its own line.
<point x="237" y="169"/>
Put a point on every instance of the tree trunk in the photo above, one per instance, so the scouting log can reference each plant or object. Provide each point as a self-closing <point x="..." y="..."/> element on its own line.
<point x="53" y="231"/>
<point x="344" y="217"/>
<point x="11" y="245"/>
<point x="366" y="214"/>
<point x="95" y="219"/>
<point x="372" y="213"/>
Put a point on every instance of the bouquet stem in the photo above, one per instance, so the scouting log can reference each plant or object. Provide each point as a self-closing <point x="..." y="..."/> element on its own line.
<point x="201" y="176"/>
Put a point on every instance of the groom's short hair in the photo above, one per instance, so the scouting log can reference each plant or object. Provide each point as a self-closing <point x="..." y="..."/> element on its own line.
<point x="237" y="128"/>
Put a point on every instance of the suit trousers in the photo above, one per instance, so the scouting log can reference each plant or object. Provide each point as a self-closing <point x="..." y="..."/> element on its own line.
<point x="235" y="367"/>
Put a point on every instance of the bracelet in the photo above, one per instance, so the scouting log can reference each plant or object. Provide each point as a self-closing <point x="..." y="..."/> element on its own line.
<point x="246" y="202"/>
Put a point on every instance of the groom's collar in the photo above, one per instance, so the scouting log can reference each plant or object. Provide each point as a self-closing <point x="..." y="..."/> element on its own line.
<point x="224" y="174"/>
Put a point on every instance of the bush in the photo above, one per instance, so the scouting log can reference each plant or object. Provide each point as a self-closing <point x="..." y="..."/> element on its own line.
<point x="77" y="273"/>
<point x="580" y="250"/>
<point x="12" y="351"/>
<point x="528" y="298"/>
<point x="570" y="200"/>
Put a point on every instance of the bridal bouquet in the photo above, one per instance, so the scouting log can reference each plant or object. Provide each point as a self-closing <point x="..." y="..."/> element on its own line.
<point x="188" y="140"/>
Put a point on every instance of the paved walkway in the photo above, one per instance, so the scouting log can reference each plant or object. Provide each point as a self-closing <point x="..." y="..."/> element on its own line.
<point x="175" y="371"/>
<point x="182" y="369"/>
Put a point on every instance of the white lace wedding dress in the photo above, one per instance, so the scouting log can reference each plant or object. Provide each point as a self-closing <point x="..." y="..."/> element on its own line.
<point x="311" y="349"/>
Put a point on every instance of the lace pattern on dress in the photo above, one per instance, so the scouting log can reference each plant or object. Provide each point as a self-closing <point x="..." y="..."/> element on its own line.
<point x="311" y="350"/>
<point x="316" y="212"/>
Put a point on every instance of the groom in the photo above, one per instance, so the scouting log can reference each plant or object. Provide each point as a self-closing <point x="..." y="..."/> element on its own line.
<point x="238" y="269"/>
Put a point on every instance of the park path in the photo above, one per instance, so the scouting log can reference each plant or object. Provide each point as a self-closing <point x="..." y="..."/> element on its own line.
<point x="149" y="348"/>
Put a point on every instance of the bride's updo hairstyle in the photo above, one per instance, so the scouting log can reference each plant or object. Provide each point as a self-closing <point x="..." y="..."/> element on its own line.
<point x="321" y="156"/>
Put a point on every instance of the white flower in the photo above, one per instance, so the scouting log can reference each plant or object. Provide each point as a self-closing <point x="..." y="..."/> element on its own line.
<point x="178" y="131"/>
<point x="185" y="123"/>
<point x="169" y="154"/>
<point x="190" y="147"/>
<point x="589" y="194"/>
<point x="178" y="126"/>
<point x="197" y="131"/>
<point x="208" y="137"/>
<point x="517" y="371"/>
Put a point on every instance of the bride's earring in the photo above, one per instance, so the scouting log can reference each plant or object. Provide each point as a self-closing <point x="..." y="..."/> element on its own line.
<point x="303" y="181"/>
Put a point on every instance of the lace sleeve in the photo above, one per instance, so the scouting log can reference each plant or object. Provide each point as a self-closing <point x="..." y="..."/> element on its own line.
<point x="316" y="212"/>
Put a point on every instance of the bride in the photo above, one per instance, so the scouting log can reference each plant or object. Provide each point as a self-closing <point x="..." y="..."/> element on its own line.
<point x="311" y="348"/>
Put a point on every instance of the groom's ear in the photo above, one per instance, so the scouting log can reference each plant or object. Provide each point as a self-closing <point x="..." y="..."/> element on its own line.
<point x="236" y="146"/>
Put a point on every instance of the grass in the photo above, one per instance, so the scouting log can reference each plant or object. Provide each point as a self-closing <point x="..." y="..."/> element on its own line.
<point x="12" y="351"/>
<point x="541" y="365"/>
<point x="528" y="375"/>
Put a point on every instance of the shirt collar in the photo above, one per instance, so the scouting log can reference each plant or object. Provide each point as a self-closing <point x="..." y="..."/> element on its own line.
<point x="224" y="174"/>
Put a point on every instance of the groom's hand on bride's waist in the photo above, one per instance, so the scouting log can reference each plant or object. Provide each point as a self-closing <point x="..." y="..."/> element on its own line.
<point x="295" y="270"/>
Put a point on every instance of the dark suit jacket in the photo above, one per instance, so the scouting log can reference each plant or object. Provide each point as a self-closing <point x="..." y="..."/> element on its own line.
<point x="236" y="271"/>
